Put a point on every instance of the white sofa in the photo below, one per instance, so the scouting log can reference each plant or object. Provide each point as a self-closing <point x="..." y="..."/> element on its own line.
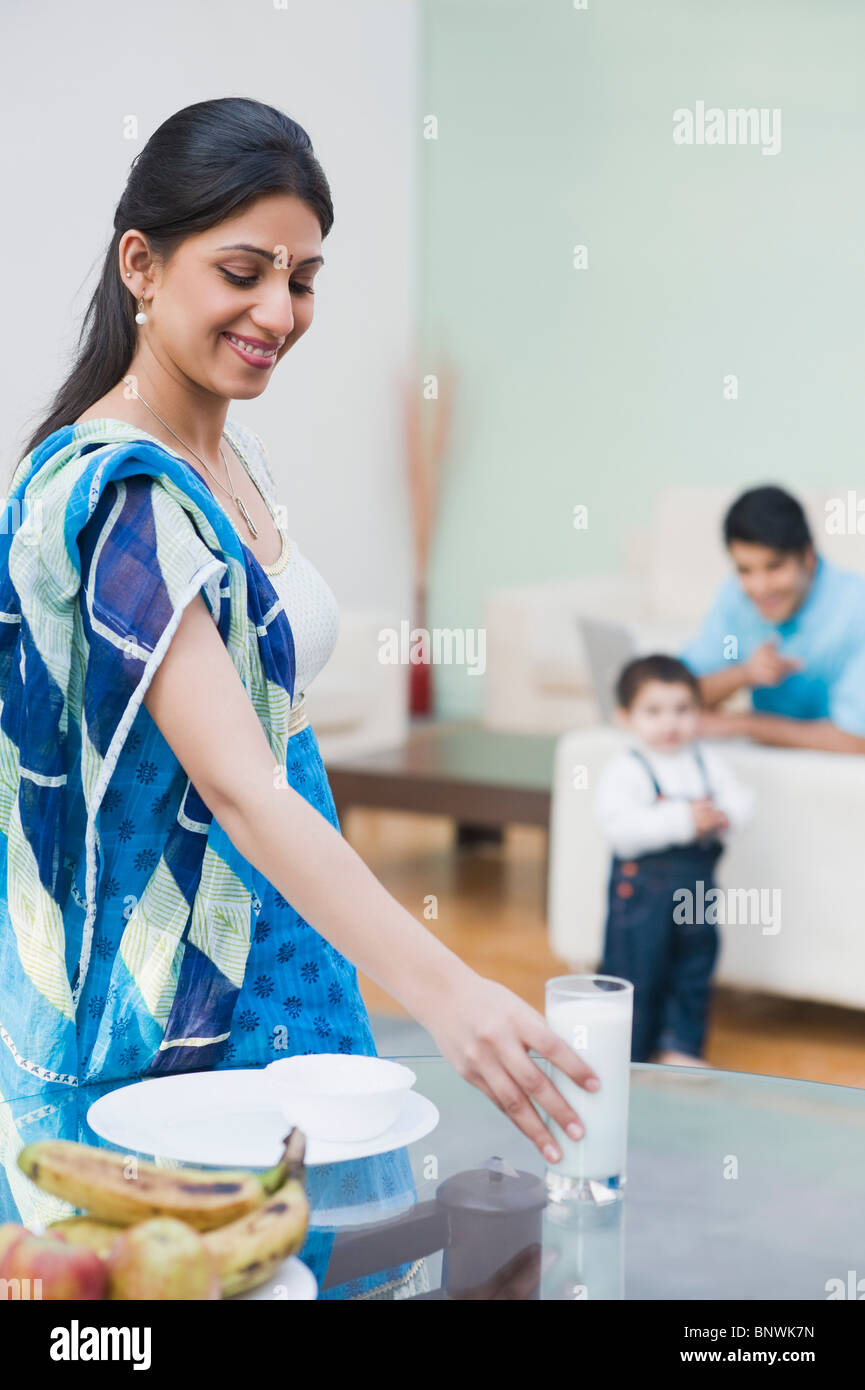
<point x="357" y="703"/>
<point x="805" y="840"/>
<point x="536" y="678"/>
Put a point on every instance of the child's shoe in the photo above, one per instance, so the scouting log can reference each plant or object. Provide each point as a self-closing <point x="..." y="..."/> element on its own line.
<point x="680" y="1059"/>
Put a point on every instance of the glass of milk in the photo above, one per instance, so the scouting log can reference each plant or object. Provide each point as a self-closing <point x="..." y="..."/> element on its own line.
<point x="593" y="1013"/>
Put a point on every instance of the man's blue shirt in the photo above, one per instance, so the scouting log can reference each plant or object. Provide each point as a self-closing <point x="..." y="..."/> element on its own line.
<point x="827" y="634"/>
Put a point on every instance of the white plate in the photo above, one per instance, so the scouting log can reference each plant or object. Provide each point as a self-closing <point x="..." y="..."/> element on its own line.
<point x="229" y="1119"/>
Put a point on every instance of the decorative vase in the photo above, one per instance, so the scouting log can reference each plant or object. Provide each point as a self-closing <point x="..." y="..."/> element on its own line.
<point x="420" y="681"/>
<point x="427" y="415"/>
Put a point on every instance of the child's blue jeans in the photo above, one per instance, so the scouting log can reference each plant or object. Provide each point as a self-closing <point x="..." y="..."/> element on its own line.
<point x="659" y="942"/>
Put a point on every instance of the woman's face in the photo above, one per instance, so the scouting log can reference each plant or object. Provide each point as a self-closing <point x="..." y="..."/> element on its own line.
<point x="211" y="288"/>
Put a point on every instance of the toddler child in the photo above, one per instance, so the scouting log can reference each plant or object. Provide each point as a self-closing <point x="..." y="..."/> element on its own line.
<point x="664" y="806"/>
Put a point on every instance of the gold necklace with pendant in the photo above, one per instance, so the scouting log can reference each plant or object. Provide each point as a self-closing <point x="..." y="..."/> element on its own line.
<point x="235" y="496"/>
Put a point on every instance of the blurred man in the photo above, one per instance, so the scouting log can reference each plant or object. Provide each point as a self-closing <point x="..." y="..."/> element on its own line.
<point x="790" y="628"/>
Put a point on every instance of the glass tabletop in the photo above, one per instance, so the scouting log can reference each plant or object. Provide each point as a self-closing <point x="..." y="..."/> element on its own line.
<point x="738" y="1187"/>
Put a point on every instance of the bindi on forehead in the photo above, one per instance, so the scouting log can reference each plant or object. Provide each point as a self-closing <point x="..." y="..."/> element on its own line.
<point x="271" y="255"/>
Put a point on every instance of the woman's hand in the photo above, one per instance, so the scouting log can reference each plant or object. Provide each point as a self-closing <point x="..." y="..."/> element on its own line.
<point x="485" y="1031"/>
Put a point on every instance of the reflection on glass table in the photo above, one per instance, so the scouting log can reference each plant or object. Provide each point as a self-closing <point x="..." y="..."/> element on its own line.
<point x="739" y="1187"/>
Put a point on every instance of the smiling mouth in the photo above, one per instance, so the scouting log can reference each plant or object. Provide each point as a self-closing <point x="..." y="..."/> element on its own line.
<point x="261" y="356"/>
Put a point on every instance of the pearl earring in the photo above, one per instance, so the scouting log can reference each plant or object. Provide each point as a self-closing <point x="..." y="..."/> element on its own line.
<point x="141" y="317"/>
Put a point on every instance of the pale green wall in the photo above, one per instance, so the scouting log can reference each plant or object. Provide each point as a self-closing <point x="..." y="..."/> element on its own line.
<point x="600" y="386"/>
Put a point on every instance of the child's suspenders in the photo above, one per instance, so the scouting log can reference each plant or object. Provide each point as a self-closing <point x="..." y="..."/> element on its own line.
<point x="698" y="756"/>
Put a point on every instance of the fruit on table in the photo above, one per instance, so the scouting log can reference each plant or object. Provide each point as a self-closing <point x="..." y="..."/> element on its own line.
<point x="114" y="1187"/>
<point x="64" y="1271"/>
<point x="250" y="1250"/>
<point x="98" y="1236"/>
<point x="161" y="1259"/>
<point x="153" y="1233"/>
<point x="9" y="1233"/>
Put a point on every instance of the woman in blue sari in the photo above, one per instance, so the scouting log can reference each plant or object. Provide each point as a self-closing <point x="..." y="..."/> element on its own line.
<point x="178" y="893"/>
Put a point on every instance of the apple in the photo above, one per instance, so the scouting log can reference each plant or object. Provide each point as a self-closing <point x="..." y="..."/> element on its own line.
<point x="9" y="1234"/>
<point x="63" y="1271"/>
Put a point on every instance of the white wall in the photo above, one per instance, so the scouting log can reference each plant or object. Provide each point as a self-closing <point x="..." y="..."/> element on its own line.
<point x="347" y="72"/>
<point x="602" y="386"/>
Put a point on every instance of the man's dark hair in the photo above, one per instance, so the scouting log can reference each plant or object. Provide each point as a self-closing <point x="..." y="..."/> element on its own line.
<point x="768" y="516"/>
<point x="643" y="669"/>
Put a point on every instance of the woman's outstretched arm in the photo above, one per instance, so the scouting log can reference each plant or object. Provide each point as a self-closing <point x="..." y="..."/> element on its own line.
<point x="198" y="702"/>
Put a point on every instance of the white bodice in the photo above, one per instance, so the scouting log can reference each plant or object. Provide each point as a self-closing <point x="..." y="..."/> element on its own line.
<point x="312" y="612"/>
<point x="307" y="600"/>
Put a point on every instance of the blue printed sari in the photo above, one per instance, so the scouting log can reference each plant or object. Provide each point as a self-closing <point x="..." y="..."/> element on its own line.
<point x="134" y="939"/>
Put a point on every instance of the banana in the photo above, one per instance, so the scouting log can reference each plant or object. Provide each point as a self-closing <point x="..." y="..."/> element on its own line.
<point x="250" y="1250"/>
<point x="116" y="1188"/>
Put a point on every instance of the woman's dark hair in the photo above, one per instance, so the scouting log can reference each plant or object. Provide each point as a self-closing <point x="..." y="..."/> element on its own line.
<point x="768" y="516"/>
<point x="657" y="667"/>
<point x="203" y="164"/>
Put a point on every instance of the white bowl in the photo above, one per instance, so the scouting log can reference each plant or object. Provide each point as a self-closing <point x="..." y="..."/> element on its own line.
<point x="340" y="1095"/>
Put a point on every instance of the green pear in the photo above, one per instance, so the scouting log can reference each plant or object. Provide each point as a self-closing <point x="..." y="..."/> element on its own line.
<point x="98" y="1236"/>
<point x="162" y="1258"/>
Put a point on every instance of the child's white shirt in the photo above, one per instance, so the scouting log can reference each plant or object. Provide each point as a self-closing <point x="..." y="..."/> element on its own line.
<point x="635" y="822"/>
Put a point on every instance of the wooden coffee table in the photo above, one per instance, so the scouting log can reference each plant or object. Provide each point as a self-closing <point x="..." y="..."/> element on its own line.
<point x="480" y="777"/>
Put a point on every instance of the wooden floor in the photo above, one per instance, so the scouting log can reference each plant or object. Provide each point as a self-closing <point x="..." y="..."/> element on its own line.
<point x="490" y="912"/>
